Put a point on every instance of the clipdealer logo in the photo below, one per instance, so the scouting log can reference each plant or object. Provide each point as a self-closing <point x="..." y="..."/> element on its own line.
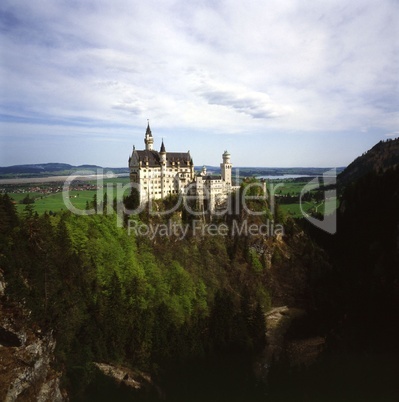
<point x="197" y="227"/>
<point x="179" y="230"/>
<point x="329" y="221"/>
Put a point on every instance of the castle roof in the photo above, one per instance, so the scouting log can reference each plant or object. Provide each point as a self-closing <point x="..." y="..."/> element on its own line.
<point x="148" y="131"/>
<point x="154" y="158"/>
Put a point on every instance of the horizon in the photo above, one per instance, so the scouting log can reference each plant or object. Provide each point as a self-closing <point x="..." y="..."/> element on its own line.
<point x="312" y="85"/>
<point x="196" y="166"/>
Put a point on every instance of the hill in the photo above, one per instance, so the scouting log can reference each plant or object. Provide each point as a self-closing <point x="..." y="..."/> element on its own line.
<point x="49" y="169"/>
<point x="42" y="168"/>
<point x="35" y="168"/>
<point x="382" y="156"/>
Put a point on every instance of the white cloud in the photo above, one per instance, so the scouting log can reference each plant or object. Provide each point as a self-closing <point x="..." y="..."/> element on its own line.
<point x="225" y="66"/>
<point x="239" y="99"/>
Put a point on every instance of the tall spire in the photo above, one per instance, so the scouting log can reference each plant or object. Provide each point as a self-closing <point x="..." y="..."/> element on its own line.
<point x="148" y="131"/>
<point x="148" y="140"/>
<point x="162" y="154"/>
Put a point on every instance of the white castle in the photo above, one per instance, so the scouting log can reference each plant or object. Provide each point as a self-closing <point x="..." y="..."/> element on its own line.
<point x="161" y="174"/>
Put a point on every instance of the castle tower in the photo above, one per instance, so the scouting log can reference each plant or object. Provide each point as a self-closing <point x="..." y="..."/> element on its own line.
<point x="225" y="168"/>
<point x="162" y="153"/>
<point x="148" y="140"/>
<point x="162" y="158"/>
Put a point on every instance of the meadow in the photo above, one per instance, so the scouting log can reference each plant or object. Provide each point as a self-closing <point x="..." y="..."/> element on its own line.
<point x="294" y="210"/>
<point x="53" y="202"/>
<point x="294" y="188"/>
<point x="287" y="187"/>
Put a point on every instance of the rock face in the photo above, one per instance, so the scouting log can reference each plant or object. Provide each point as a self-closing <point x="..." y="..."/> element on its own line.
<point x="133" y="379"/>
<point x="297" y="351"/>
<point x="26" y="357"/>
<point x="278" y="320"/>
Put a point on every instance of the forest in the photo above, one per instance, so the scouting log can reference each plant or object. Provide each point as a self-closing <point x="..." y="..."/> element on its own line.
<point x="169" y="307"/>
<point x="110" y="296"/>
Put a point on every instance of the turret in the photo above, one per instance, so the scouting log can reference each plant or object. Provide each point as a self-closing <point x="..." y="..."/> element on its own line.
<point x="226" y="157"/>
<point x="162" y="153"/>
<point x="148" y="140"/>
<point x="225" y="168"/>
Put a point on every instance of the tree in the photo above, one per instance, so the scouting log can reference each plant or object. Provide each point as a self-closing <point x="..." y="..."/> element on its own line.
<point x="29" y="211"/>
<point x="8" y="214"/>
<point x="28" y="200"/>
<point x="132" y="201"/>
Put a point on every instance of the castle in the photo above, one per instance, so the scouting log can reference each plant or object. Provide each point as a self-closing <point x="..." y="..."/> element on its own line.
<point x="160" y="174"/>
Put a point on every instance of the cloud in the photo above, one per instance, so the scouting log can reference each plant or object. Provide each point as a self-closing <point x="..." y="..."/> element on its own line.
<point x="129" y="106"/>
<point x="254" y="104"/>
<point x="216" y="66"/>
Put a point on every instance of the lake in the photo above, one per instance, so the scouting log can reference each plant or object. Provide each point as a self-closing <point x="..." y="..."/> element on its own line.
<point x="284" y="176"/>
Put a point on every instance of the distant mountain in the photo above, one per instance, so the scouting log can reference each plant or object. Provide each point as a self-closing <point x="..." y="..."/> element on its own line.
<point x="88" y="167"/>
<point x="35" y="168"/>
<point x="50" y="169"/>
<point x="381" y="157"/>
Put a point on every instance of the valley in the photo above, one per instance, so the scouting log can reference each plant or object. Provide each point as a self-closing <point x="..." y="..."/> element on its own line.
<point x="204" y="314"/>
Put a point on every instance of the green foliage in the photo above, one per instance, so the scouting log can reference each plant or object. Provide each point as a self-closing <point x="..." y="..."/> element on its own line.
<point x="8" y="215"/>
<point x="378" y="159"/>
<point x="256" y="265"/>
<point x="112" y="297"/>
<point x="27" y="200"/>
<point x="252" y="192"/>
<point x="132" y="201"/>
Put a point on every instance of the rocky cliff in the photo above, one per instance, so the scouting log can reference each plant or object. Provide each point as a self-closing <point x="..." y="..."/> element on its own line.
<point x="26" y="357"/>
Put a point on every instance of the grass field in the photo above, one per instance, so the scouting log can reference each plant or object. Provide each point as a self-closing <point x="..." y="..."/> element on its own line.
<point x="286" y="187"/>
<point x="295" y="188"/>
<point x="55" y="202"/>
<point x="292" y="188"/>
<point x="294" y="210"/>
<point x="330" y="206"/>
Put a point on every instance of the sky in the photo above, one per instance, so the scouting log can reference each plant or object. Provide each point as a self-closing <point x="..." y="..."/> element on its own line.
<point x="275" y="82"/>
